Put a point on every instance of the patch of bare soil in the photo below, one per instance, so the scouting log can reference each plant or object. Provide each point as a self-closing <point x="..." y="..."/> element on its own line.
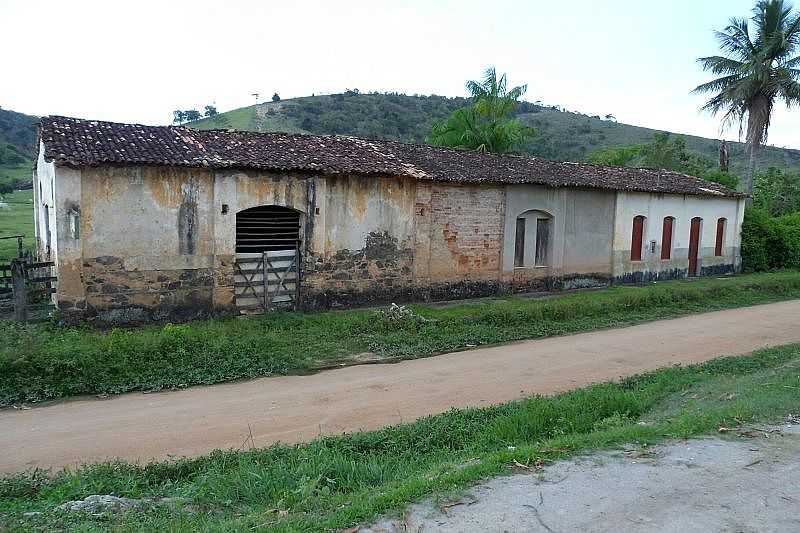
<point x="747" y="484"/>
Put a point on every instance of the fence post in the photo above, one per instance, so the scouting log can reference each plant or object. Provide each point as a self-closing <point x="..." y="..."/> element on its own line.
<point x="20" y="291"/>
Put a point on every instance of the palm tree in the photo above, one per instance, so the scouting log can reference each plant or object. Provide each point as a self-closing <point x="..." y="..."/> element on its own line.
<point x="759" y="68"/>
<point x="487" y="125"/>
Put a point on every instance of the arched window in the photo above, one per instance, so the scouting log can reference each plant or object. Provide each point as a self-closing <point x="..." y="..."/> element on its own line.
<point x="533" y="238"/>
<point x="267" y="228"/>
<point x="720" y="242"/>
<point x="666" y="238"/>
<point x="637" y="238"/>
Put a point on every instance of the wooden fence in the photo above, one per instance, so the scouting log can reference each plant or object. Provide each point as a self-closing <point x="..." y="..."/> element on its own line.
<point x="26" y="289"/>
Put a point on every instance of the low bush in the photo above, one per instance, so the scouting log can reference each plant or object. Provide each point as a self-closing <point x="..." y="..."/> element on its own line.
<point x="770" y="243"/>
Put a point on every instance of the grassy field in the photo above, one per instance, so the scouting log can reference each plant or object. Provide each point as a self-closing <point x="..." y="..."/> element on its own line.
<point x="16" y="219"/>
<point x="45" y="361"/>
<point x="338" y="482"/>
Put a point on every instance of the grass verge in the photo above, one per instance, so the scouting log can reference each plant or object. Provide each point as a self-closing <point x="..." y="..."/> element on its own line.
<point x="337" y="482"/>
<point x="45" y="361"/>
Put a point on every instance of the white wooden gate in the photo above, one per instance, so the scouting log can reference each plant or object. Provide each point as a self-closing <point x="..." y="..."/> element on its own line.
<point x="267" y="281"/>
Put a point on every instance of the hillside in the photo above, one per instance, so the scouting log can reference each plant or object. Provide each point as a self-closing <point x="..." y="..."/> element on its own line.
<point x="17" y="143"/>
<point x="561" y="135"/>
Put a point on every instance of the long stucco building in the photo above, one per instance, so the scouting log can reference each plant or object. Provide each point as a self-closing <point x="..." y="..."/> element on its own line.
<point x="152" y="222"/>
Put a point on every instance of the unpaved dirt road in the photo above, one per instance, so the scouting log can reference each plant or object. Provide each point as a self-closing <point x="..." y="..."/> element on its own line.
<point x="295" y="408"/>
<point x="702" y="485"/>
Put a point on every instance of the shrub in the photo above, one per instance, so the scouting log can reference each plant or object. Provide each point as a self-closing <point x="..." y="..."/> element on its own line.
<point x="770" y="243"/>
<point x="754" y="248"/>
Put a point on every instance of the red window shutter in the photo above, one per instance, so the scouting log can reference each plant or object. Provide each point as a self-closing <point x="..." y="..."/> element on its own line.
<point x="666" y="238"/>
<point x="636" y="241"/>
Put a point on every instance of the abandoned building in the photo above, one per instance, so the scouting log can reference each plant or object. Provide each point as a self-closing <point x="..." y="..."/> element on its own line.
<point x="152" y="222"/>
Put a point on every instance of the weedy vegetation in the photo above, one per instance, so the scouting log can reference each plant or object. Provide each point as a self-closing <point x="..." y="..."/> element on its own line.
<point x="340" y="481"/>
<point x="46" y="361"/>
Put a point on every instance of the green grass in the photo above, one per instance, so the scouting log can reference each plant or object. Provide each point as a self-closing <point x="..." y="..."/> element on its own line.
<point x="45" y="361"/>
<point x="338" y="482"/>
<point x="16" y="220"/>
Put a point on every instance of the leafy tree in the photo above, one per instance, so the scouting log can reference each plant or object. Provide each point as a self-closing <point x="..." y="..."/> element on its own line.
<point x="276" y="97"/>
<point x="759" y="68"/>
<point x="488" y="124"/>
<point x="667" y="153"/>
<point x="211" y="111"/>
<point x="777" y="192"/>
<point x="178" y="116"/>
<point x="191" y="115"/>
<point x="620" y="156"/>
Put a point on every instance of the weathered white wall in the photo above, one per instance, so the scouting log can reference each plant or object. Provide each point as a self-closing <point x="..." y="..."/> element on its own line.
<point x="683" y="208"/>
<point x="581" y="233"/>
<point x="43" y="205"/>
<point x="352" y="207"/>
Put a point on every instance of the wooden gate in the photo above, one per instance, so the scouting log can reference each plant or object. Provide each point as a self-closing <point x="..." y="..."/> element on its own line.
<point x="26" y="287"/>
<point x="267" y="281"/>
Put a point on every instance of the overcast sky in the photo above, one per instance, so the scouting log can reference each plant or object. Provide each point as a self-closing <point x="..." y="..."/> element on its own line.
<point x="137" y="61"/>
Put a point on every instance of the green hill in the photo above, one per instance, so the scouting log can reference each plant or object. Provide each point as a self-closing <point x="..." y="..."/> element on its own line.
<point x="561" y="135"/>
<point x="17" y="143"/>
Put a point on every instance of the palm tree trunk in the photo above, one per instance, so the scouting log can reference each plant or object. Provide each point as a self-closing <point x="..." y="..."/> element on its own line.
<point x="751" y="172"/>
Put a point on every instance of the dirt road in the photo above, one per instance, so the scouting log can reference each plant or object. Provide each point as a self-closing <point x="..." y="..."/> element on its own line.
<point x="296" y="408"/>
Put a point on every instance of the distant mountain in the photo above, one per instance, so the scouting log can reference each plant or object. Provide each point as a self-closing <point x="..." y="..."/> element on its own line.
<point x="562" y="135"/>
<point x="17" y="145"/>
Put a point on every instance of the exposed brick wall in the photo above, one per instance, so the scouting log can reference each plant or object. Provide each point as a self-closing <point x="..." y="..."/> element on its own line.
<point x="460" y="232"/>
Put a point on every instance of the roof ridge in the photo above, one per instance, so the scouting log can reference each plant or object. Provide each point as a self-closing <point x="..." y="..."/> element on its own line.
<point x="80" y="142"/>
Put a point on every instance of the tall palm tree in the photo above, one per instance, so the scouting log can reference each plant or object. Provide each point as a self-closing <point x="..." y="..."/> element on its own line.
<point x="487" y="125"/>
<point x="758" y="68"/>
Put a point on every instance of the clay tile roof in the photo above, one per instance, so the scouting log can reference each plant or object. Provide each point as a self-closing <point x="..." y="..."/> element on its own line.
<point x="76" y="142"/>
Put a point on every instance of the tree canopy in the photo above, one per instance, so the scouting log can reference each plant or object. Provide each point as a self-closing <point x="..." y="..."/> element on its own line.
<point x="488" y="125"/>
<point x="758" y="67"/>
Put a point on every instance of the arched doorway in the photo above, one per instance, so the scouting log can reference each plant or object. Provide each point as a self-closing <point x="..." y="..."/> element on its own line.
<point x="267" y="267"/>
<point x="267" y="228"/>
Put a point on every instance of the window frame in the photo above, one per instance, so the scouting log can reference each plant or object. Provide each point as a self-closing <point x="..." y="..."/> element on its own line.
<point x="719" y="238"/>
<point x="666" y="247"/>
<point x="637" y="251"/>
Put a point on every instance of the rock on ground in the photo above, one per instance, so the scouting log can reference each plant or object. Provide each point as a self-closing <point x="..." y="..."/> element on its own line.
<point x="750" y="483"/>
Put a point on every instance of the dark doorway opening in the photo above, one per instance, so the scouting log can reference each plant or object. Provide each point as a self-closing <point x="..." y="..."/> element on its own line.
<point x="267" y="228"/>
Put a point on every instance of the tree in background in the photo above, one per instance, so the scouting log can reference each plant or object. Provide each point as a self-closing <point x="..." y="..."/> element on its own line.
<point x="211" y="111"/>
<point x="276" y="97"/>
<point x="665" y="152"/>
<point x="190" y="115"/>
<point x="759" y="67"/>
<point x="487" y="125"/>
<point x="178" y="116"/>
<point x="777" y="192"/>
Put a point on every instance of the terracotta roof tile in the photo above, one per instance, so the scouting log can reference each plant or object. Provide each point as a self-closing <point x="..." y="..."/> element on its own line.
<point x="76" y="142"/>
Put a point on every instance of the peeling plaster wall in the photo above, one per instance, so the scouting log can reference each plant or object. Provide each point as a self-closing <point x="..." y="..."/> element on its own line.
<point x="362" y="241"/>
<point x="43" y="206"/>
<point x="683" y="208"/>
<point x="459" y="239"/>
<point x="581" y="234"/>
<point x="159" y="242"/>
<point x="147" y="237"/>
